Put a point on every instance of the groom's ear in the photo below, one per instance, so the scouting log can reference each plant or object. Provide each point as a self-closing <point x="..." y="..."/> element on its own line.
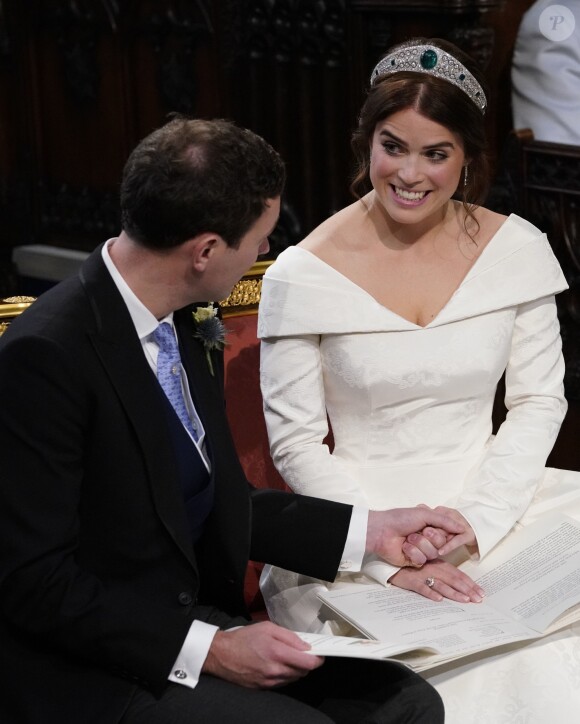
<point x="204" y="248"/>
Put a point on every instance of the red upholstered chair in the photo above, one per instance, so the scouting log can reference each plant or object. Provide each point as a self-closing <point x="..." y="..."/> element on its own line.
<point x="244" y="399"/>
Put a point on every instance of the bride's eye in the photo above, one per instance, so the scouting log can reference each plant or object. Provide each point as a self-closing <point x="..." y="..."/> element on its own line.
<point x="437" y="155"/>
<point x="391" y="148"/>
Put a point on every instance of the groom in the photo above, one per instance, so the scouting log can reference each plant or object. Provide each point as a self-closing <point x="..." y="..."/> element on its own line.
<point x="126" y="522"/>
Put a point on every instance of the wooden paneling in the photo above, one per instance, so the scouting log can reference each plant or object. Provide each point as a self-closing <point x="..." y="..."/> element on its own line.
<point x="89" y="78"/>
<point x="82" y="81"/>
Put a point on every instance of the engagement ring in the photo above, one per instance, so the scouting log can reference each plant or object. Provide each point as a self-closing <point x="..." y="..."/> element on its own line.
<point x="430" y="582"/>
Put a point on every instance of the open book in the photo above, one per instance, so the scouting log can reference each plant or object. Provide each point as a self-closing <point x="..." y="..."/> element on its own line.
<point x="532" y="585"/>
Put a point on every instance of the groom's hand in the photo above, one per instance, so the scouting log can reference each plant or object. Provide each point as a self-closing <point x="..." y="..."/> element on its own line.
<point x="388" y="533"/>
<point x="260" y="656"/>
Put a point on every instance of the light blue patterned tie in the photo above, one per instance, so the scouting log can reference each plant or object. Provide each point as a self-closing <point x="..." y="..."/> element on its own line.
<point x="169" y="373"/>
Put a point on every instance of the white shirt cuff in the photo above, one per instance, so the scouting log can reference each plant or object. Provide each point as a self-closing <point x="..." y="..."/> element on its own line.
<point x="187" y="666"/>
<point x="354" y="548"/>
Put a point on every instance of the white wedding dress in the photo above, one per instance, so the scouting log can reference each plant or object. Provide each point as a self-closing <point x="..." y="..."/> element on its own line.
<point x="410" y="409"/>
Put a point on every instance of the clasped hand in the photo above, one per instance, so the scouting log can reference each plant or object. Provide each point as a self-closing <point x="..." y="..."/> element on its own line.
<point x="447" y="581"/>
<point x="413" y="536"/>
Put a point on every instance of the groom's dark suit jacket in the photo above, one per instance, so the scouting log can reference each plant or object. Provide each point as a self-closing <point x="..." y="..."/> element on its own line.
<point x="99" y="582"/>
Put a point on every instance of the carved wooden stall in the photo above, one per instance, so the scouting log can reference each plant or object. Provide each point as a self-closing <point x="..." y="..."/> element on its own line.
<point x="544" y="180"/>
<point x="81" y="81"/>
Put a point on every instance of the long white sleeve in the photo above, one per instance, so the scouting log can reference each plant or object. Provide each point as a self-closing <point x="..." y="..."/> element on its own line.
<point x="295" y="410"/>
<point x="503" y="485"/>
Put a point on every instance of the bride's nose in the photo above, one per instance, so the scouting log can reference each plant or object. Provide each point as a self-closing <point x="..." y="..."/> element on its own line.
<point x="409" y="172"/>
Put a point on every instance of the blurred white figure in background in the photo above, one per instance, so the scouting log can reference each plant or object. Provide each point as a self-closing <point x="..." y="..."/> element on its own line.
<point x="546" y="72"/>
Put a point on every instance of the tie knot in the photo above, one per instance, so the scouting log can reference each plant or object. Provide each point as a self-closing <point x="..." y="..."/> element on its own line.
<point x="165" y="338"/>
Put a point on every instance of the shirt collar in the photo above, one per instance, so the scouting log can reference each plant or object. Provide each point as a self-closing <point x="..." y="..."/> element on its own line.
<point x="145" y="322"/>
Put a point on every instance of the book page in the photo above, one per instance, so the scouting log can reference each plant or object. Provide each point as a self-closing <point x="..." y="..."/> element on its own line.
<point x="531" y="578"/>
<point x="351" y="647"/>
<point x="410" y="621"/>
<point x="534" y="574"/>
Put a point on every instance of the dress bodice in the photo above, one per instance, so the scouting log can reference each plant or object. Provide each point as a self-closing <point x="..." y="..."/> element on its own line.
<point x="423" y="393"/>
<point x="410" y="406"/>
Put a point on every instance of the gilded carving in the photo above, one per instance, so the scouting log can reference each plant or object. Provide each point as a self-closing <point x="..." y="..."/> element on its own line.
<point x="17" y="300"/>
<point x="245" y="293"/>
<point x="11" y="307"/>
<point x="245" y="296"/>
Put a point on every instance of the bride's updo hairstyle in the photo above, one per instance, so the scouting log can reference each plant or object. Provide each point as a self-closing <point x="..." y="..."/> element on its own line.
<point x="457" y="103"/>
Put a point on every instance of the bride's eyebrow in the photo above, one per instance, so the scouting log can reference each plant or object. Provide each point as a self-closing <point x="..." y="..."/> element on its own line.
<point x="388" y="134"/>
<point x="441" y="144"/>
<point x="429" y="147"/>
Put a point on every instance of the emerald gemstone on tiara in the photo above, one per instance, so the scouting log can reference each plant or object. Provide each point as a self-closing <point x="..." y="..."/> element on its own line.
<point x="428" y="59"/>
<point x="432" y="61"/>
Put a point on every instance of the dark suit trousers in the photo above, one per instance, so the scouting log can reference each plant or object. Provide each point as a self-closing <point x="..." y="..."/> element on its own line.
<point x="343" y="691"/>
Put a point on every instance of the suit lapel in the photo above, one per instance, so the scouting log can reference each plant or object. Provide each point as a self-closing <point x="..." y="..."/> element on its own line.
<point x="119" y="349"/>
<point x="228" y="529"/>
<point x="116" y="343"/>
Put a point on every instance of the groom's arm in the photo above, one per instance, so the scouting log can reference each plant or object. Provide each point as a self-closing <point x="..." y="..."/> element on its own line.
<point x="309" y="535"/>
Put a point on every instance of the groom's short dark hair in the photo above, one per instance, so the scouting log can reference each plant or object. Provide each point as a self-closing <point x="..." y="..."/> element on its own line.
<point x="193" y="176"/>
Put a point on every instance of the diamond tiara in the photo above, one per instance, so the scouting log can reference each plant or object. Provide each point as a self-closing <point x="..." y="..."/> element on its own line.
<point x="433" y="61"/>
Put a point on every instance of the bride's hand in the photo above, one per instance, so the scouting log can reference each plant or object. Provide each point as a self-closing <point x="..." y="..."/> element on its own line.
<point x="441" y="539"/>
<point x="448" y="582"/>
<point x="463" y="539"/>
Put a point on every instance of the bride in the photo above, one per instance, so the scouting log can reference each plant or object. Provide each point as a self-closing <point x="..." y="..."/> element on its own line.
<point x="395" y="320"/>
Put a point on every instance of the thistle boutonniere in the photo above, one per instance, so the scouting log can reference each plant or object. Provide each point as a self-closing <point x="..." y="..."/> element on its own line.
<point x="209" y="330"/>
